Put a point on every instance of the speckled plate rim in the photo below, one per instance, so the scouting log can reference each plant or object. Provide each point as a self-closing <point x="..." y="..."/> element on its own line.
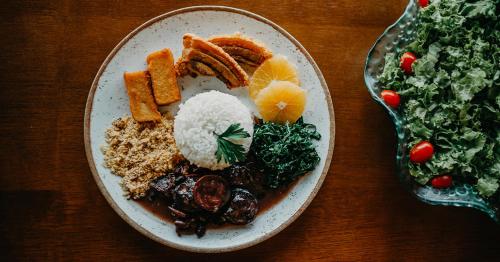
<point x="122" y="214"/>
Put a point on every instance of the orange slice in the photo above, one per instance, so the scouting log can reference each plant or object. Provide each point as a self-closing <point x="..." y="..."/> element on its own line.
<point x="275" y="68"/>
<point x="281" y="102"/>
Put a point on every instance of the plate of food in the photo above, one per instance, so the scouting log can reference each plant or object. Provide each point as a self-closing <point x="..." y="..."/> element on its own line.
<point x="209" y="129"/>
<point x="436" y="72"/>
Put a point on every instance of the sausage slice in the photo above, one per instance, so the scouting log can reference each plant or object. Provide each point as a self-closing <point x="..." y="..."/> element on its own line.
<point x="211" y="192"/>
<point x="165" y="186"/>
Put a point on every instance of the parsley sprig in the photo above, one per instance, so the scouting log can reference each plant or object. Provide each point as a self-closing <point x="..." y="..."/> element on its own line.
<point x="227" y="150"/>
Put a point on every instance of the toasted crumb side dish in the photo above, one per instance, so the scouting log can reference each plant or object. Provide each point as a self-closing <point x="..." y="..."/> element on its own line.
<point x="140" y="152"/>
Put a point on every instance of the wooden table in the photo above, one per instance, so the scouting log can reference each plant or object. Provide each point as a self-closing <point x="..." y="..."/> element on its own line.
<point x="51" y="208"/>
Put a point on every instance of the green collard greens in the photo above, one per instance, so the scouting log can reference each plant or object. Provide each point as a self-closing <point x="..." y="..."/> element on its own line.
<point x="453" y="97"/>
<point x="286" y="151"/>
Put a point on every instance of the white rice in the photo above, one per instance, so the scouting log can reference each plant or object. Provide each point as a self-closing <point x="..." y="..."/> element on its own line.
<point x="202" y="115"/>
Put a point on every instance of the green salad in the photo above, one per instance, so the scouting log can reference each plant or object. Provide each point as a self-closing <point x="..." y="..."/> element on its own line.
<point x="448" y="81"/>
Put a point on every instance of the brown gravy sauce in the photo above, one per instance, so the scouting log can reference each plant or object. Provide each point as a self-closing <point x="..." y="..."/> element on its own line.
<point x="271" y="198"/>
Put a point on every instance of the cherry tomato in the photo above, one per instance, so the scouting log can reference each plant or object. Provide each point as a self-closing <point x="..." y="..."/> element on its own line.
<point x="391" y="98"/>
<point x="423" y="3"/>
<point x="421" y="152"/>
<point x="407" y="59"/>
<point x="442" y="181"/>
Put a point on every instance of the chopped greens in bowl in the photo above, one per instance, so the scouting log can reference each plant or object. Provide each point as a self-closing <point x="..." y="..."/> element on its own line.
<point x="450" y="96"/>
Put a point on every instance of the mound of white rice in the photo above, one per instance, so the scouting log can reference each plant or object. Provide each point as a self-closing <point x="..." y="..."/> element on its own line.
<point x="202" y="115"/>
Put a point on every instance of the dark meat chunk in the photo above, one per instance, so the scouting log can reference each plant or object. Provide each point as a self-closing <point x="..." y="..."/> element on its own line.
<point x="181" y="225"/>
<point x="186" y="169"/>
<point x="183" y="197"/>
<point x="175" y="213"/>
<point x="200" y="171"/>
<point x="247" y="176"/>
<point x="190" y="226"/>
<point x="185" y="226"/>
<point x="164" y="186"/>
<point x="243" y="207"/>
<point x="201" y="229"/>
<point x="239" y="176"/>
<point x="182" y="169"/>
<point x="211" y="193"/>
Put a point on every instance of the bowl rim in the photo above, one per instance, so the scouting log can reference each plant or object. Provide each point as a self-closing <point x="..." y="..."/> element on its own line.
<point x="375" y="97"/>
<point x="122" y="214"/>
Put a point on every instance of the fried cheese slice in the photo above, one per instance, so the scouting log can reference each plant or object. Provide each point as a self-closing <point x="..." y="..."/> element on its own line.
<point x="142" y="104"/>
<point x="163" y="77"/>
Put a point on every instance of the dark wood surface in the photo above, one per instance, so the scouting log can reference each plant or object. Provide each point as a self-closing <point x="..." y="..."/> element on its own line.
<point x="51" y="208"/>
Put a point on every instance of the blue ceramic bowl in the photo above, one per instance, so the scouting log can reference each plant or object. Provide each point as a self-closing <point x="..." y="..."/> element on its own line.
<point x="394" y="39"/>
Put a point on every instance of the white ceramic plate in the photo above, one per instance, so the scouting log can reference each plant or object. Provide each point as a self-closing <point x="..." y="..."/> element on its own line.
<point x="108" y="100"/>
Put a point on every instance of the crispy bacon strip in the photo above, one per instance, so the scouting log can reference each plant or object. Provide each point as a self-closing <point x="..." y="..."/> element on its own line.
<point x="246" y="51"/>
<point x="201" y="57"/>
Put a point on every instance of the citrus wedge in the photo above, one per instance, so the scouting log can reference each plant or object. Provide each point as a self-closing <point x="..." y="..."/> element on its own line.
<point x="281" y="102"/>
<point x="275" y="68"/>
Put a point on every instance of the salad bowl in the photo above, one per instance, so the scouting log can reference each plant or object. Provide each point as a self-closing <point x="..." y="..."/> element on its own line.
<point x="394" y="39"/>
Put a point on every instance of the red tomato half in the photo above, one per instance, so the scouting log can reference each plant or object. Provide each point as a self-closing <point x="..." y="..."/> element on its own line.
<point x="407" y="59"/>
<point x="391" y="98"/>
<point x="423" y="3"/>
<point x="442" y="181"/>
<point x="421" y="152"/>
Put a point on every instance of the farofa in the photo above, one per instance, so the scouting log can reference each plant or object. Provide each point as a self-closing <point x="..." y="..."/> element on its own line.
<point x="140" y="152"/>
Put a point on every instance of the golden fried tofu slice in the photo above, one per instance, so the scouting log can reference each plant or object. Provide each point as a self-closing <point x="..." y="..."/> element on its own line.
<point x="246" y="51"/>
<point x="200" y="57"/>
<point x="163" y="77"/>
<point x="142" y="104"/>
